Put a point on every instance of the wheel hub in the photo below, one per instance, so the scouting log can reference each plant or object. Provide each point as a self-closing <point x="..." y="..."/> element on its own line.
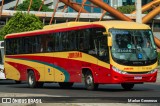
<point x="31" y="80"/>
<point x="89" y="80"/>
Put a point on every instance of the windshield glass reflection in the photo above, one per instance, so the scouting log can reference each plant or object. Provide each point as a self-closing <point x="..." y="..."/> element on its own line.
<point x="133" y="45"/>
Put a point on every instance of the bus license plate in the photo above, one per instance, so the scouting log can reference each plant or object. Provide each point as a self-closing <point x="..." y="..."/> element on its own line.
<point x="138" y="77"/>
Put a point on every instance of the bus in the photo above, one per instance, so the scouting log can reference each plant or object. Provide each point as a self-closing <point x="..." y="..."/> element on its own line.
<point x="2" y="75"/>
<point x="93" y="53"/>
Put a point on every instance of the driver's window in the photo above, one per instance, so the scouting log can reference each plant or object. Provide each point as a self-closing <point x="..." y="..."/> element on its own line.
<point x="103" y="52"/>
<point x="98" y="46"/>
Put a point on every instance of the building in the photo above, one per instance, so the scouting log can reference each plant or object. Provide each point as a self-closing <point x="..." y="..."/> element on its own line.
<point x="9" y="4"/>
<point x="118" y="3"/>
<point x="113" y="3"/>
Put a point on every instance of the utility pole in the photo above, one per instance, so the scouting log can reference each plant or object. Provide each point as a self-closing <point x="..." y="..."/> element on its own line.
<point x="139" y="11"/>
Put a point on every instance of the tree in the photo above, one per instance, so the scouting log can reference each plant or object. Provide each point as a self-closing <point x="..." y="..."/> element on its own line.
<point x="21" y="22"/>
<point x="34" y="7"/>
<point x="126" y="9"/>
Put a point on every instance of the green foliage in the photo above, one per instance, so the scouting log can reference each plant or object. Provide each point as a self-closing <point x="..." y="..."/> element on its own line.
<point x="126" y="9"/>
<point x="21" y="22"/>
<point x="34" y="7"/>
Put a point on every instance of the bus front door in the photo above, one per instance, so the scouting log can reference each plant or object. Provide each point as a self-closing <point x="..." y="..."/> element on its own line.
<point x="103" y="59"/>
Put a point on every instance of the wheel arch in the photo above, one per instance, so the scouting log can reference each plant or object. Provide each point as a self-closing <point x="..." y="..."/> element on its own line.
<point x="94" y="74"/>
<point x="85" y="70"/>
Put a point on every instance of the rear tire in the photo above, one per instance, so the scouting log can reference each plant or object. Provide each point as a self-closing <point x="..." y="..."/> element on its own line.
<point x="66" y="84"/>
<point x="89" y="82"/>
<point x="32" y="80"/>
<point x="127" y="86"/>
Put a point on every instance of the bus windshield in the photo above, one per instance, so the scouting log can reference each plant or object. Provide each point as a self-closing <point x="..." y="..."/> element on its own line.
<point x="133" y="47"/>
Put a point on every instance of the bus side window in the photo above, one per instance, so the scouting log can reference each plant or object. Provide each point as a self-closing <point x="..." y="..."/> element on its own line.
<point x="8" y="47"/>
<point x="72" y="40"/>
<point x="65" y="42"/>
<point x="101" y="49"/>
<point x="15" y="46"/>
<point x="58" y="42"/>
<point x="50" y="46"/>
<point x="93" y="50"/>
<point x="80" y="42"/>
<point x="38" y="44"/>
<point x="49" y="43"/>
<point x="93" y="44"/>
<point x="83" y="40"/>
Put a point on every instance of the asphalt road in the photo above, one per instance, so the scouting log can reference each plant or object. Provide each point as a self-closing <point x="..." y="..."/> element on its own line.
<point x="8" y="88"/>
<point x="53" y="90"/>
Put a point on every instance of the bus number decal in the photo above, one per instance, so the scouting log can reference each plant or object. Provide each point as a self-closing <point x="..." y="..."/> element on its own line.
<point x="75" y="55"/>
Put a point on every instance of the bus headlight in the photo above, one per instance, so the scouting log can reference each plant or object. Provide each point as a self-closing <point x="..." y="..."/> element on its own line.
<point x="152" y="71"/>
<point x="118" y="71"/>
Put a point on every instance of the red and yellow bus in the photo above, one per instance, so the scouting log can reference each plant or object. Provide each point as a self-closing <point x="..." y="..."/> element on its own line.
<point x="107" y="52"/>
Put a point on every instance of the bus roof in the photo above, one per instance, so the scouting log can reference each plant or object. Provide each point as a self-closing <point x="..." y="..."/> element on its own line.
<point x="82" y="25"/>
<point x="106" y="24"/>
<point x="67" y="24"/>
<point x="55" y="28"/>
<point x="122" y="25"/>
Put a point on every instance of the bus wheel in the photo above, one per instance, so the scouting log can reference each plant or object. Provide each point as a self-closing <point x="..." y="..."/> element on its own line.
<point x="32" y="80"/>
<point x="89" y="82"/>
<point x="66" y="84"/>
<point x="127" y="86"/>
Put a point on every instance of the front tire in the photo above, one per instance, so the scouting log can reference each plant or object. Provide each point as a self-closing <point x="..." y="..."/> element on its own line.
<point x="89" y="82"/>
<point x="127" y="86"/>
<point x="32" y="80"/>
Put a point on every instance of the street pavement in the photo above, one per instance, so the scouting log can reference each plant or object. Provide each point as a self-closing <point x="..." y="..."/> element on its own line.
<point x="2" y="94"/>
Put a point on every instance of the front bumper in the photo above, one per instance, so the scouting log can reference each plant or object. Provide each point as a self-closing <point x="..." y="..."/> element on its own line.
<point x="133" y="78"/>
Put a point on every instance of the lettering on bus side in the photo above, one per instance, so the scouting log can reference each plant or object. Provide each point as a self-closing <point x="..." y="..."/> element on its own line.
<point x="75" y="55"/>
<point x="147" y="68"/>
<point x="128" y="68"/>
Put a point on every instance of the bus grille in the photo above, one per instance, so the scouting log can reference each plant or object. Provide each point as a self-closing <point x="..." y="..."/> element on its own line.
<point x="137" y="72"/>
